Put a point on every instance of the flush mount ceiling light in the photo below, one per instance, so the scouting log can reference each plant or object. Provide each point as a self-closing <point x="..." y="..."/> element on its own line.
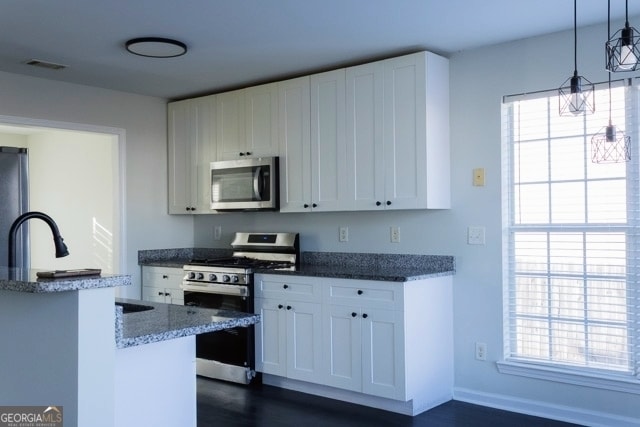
<point x="576" y="95"/>
<point x="623" y="50"/>
<point x="156" y="47"/>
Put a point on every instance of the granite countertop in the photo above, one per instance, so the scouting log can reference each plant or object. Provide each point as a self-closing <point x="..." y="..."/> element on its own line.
<point x="168" y="321"/>
<point x="22" y="280"/>
<point x="342" y="265"/>
<point x="385" y="274"/>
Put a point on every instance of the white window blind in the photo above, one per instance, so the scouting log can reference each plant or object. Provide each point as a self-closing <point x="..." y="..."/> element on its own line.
<point x="570" y="236"/>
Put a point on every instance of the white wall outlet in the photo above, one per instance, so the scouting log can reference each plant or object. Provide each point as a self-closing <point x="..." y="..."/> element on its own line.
<point x="217" y="232"/>
<point x="343" y="234"/>
<point x="481" y="351"/>
<point x="475" y="235"/>
<point x="395" y="234"/>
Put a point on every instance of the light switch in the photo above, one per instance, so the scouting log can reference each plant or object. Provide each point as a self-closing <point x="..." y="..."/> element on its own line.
<point x="478" y="177"/>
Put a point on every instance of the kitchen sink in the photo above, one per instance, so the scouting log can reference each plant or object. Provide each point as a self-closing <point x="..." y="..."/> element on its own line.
<point x="133" y="308"/>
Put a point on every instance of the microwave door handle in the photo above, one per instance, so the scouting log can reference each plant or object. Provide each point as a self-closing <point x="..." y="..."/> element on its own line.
<point x="257" y="183"/>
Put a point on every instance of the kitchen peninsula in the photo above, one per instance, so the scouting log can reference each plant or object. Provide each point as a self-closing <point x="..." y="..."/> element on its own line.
<point x="67" y="345"/>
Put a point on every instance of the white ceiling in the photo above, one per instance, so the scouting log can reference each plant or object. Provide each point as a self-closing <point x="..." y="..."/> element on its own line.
<point x="235" y="43"/>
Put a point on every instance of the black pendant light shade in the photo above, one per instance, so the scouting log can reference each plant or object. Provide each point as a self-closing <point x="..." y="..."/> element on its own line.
<point x="623" y="49"/>
<point x="577" y="94"/>
<point x="610" y="145"/>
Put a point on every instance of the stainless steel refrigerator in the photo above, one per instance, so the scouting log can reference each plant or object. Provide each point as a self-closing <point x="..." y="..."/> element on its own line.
<point x="14" y="201"/>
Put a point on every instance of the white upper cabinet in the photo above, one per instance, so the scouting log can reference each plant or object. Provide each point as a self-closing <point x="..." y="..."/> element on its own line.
<point x="364" y="120"/>
<point x="369" y="137"/>
<point x="192" y="146"/>
<point x="295" y="144"/>
<point x="248" y="122"/>
<point x="312" y="145"/>
<point x="329" y="183"/>
<point x="398" y="133"/>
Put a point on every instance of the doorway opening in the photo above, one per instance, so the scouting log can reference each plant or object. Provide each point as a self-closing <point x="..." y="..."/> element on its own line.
<point x="76" y="176"/>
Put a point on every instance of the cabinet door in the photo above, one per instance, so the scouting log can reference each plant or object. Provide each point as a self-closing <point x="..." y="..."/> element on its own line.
<point x="304" y="341"/>
<point x="383" y="364"/>
<point x="203" y="153"/>
<point x="365" y="150"/>
<point x="230" y="125"/>
<point x="191" y="145"/>
<point x="174" y="296"/>
<point x="154" y="294"/>
<point x="405" y="132"/>
<point x="271" y="335"/>
<point x="329" y="190"/>
<point x="342" y="344"/>
<point x="295" y="149"/>
<point x="181" y="127"/>
<point x="261" y="120"/>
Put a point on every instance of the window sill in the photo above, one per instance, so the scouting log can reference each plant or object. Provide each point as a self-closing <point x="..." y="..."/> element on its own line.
<point x="626" y="384"/>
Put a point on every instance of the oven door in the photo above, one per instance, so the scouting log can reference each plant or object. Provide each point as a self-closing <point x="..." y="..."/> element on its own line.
<point x="231" y="346"/>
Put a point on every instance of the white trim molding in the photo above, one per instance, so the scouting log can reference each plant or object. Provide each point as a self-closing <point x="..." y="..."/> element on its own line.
<point x="626" y="384"/>
<point x="542" y="409"/>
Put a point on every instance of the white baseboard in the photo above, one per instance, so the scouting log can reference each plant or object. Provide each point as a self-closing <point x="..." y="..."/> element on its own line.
<point x="411" y="408"/>
<point x="541" y="409"/>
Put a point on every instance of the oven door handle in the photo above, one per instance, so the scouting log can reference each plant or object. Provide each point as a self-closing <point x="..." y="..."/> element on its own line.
<point x="216" y="288"/>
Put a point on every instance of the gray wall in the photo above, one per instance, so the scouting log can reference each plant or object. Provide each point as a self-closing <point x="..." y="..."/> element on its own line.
<point x="479" y="79"/>
<point x="143" y="119"/>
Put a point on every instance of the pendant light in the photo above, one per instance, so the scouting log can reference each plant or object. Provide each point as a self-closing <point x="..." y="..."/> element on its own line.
<point x="623" y="49"/>
<point x="610" y="145"/>
<point x="576" y="95"/>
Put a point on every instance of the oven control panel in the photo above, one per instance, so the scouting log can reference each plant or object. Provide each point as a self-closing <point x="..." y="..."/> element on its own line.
<point x="217" y="276"/>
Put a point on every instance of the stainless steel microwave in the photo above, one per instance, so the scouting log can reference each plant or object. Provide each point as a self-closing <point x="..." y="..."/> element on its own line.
<point x="247" y="184"/>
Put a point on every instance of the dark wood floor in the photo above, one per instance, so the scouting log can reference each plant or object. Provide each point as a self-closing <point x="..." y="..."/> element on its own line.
<point x="222" y="404"/>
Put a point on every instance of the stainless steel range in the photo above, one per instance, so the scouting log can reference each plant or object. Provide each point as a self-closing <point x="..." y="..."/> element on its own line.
<point x="227" y="284"/>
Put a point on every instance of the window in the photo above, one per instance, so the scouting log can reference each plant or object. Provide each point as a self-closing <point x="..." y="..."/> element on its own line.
<point x="570" y="238"/>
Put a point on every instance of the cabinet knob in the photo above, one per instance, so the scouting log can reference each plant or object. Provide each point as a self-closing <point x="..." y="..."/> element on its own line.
<point x="289" y="307"/>
<point x="160" y="294"/>
<point x="167" y="294"/>
<point x="285" y="286"/>
<point x="365" y="315"/>
<point x="248" y="153"/>
<point x="360" y="292"/>
<point x="187" y="208"/>
<point x="354" y="314"/>
<point x="241" y="154"/>
<point x="280" y="306"/>
<point x="378" y="203"/>
<point x="306" y="205"/>
<point x="164" y="276"/>
<point x="388" y="202"/>
<point x="314" y="205"/>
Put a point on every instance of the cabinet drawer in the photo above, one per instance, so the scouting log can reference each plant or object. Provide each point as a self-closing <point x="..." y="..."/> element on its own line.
<point x="365" y="294"/>
<point x="288" y="287"/>
<point x="162" y="277"/>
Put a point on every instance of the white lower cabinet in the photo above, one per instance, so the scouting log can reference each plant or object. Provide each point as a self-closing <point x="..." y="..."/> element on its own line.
<point x="162" y="284"/>
<point x="288" y="339"/>
<point x="391" y="340"/>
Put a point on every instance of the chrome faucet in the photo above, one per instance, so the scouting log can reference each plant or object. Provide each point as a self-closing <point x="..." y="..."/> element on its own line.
<point x="58" y="241"/>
